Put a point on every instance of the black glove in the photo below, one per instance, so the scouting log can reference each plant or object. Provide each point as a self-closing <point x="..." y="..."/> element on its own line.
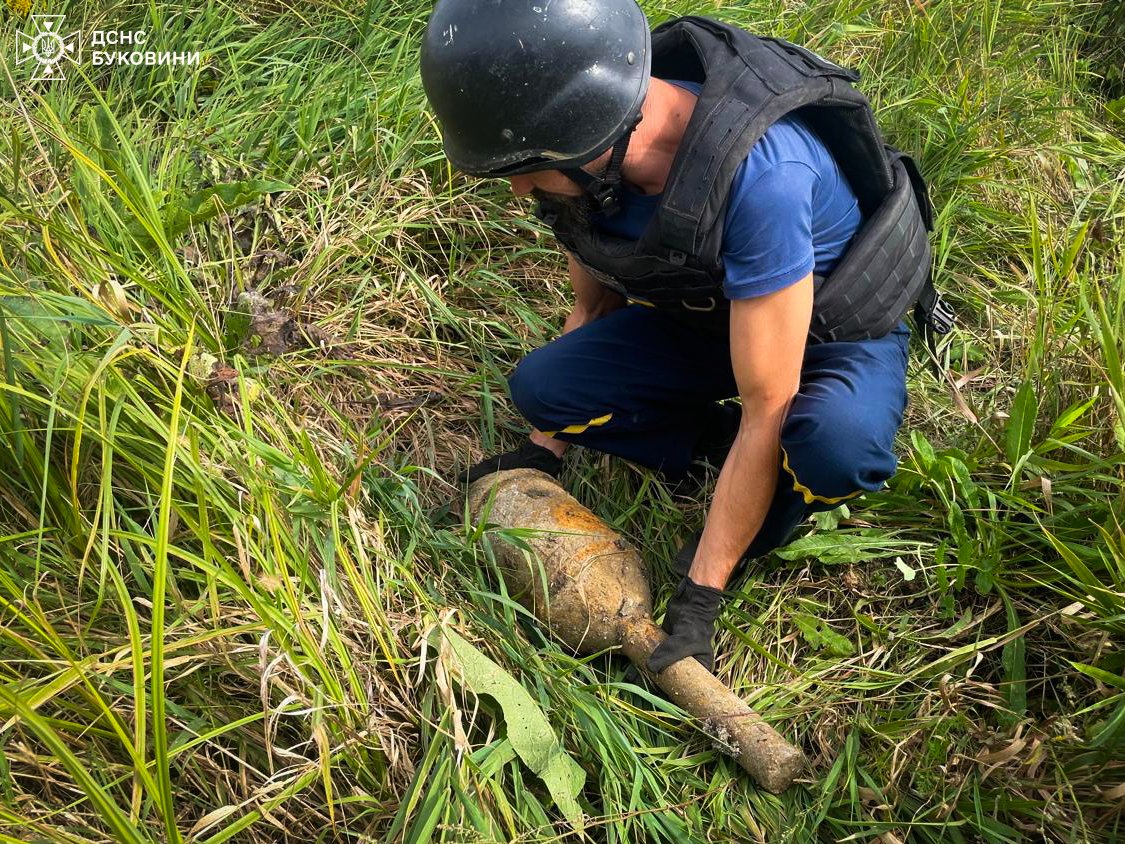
<point x="527" y="456"/>
<point x="681" y="563"/>
<point x="690" y="625"/>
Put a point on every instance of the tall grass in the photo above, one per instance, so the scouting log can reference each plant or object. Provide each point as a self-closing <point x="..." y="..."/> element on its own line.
<point x="220" y="626"/>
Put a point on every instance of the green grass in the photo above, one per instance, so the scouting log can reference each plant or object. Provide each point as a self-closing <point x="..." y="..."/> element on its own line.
<point x="221" y="627"/>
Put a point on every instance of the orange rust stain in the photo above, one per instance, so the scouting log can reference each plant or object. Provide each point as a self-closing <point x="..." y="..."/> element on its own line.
<point x="600" y="549"/>
<point x="570" y="516"/>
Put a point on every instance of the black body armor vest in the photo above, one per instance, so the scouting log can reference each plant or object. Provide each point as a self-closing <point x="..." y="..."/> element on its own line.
<point x="748" y="83"/>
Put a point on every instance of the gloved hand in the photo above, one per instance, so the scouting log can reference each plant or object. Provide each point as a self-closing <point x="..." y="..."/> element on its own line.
<point x="527" y="456"/>
<point x="681" y="563"/>
<point x="690" y="625"/>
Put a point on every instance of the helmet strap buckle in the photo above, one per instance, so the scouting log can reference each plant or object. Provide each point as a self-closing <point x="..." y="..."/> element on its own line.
<point x="604" y="191"/>
<point x="602" y="194"/>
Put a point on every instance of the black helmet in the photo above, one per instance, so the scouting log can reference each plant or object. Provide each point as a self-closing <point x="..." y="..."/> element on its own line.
<point x="523" y="85"/>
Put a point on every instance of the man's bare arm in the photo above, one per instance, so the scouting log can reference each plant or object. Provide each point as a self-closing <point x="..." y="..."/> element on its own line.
<point x="592" y="299"/>
<point x="767" y="348"/>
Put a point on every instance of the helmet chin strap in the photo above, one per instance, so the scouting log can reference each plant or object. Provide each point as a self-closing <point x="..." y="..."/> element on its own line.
<point x="604" y="191"/>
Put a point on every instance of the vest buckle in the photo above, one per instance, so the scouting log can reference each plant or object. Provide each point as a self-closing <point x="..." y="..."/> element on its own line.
<point x="700" y="308"/>
<point x="940" y="316"/>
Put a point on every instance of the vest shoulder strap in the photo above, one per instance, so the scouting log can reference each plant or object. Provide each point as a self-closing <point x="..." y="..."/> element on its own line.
<point x="749" y="82"/>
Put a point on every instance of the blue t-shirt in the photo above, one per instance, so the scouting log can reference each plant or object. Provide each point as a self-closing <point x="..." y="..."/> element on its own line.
<point x="791" y="211"/>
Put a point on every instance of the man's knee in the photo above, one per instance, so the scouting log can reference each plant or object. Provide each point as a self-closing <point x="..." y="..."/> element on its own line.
<point x="830" y="458"/>
<point x="530" y="388"/>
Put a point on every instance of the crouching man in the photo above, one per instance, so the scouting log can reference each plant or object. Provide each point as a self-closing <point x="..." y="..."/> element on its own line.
<point x="735" y="228"/>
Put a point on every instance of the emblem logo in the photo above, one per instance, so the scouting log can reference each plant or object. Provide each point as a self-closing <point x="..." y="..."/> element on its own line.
<point x="47" y="46"/>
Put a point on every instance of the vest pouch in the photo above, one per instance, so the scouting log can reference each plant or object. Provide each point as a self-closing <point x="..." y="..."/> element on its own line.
<point x="688" y="289"/>
<point x="660" y="283"/>
<point x="882" y="273"/>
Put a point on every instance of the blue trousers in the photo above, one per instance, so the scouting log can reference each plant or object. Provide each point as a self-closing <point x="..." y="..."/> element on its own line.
<point x="637" y="384"/>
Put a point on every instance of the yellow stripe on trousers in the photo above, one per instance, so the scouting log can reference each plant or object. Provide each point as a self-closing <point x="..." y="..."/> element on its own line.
<point x="807" y="493"/>
<point x="578" y="429"/>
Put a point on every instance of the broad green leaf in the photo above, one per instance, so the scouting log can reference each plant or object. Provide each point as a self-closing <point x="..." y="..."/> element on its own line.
<point x="236" y="323"/>
<point x="1013" y="657"/>
<point x="922" y="449"/>
<point x="528" y="729"/>
<point x="817" y="633"/>
<point x="908" y="573"/>
<point x="807" y="625"/>
<point x="846" y="547"/>
<point x="835" y="643"/>
<point x="1021" y="424"/>
<point x="1116" y="110"/>
<point x="180" y="214"/>
<point x="24" y="312"/>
